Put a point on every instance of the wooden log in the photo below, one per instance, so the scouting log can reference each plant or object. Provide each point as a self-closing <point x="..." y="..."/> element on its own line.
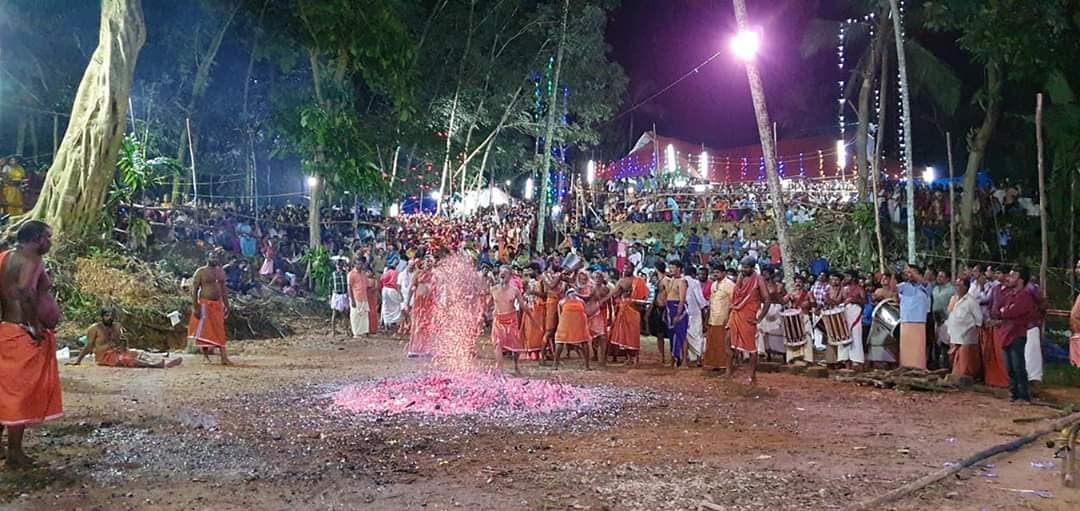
<point x="927" y="480"/>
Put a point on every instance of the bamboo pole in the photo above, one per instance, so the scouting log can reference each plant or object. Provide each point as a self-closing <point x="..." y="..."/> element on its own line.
<point x="952" y="205"/>
<point x="191" y="152"/>
<point x="1045" y="261"/>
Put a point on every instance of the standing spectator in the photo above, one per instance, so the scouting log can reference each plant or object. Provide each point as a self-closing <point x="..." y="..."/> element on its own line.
<point x="914" y="307"/>
<point x="940" y="296"/>
<point x="1016" y="312"/>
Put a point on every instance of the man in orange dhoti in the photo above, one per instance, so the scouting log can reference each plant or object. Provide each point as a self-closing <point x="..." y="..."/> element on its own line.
<point x="210" y="307"/>
<point x="573" y="329"/>
<point x="422" y="311"/>
<point x="534" y="312"/>
<point x="29" y="377"/>
<point x="717" y="347"/>
<point x="750" y="302"/>
<point x="630" y="293"/>
<point x="553" y="289"/>
<point x="505" y="327"/>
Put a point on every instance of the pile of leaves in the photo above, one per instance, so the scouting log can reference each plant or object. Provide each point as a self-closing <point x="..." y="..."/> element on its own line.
<point x="144" y="293"/>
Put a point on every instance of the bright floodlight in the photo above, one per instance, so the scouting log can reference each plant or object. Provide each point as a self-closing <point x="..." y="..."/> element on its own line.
<point x="928" y="175"/>
<point x="436" y="195"/>
<point x="556" y="210"/>
<point x="508" y="183"/>
<point x="312" y="181"/>
<point x="841" y="155"/>
<point x="745" y="44"/>
<point x="700" y="188"/>
<point x="528" y="189"/>
<point x="394" y="208"/>
<point x="670" y="156"/>
<point x="590" y="172"/>
<point x="703" y="165"/>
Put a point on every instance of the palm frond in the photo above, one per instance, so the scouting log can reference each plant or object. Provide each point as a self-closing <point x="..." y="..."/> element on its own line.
<point x="928" y="75"/>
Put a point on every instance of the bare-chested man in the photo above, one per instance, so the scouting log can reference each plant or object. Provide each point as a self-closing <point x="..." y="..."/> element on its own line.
<point x="629" y="294"/>
<point x="597" y="309"/>
<point x="677" y="320"/>
<point x="29" y="377"/>
<point x="658" y="311"/>
<point x="103" y="339"/>
<point x="210" y="307"/>
<point x="506" y="325"/>
<point x="554" y="289"/>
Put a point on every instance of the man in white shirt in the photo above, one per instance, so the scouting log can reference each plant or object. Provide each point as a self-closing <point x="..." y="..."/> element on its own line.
<point x="695" y="303"/>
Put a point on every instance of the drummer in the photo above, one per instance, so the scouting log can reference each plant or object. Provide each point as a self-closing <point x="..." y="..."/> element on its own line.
<point x="800" y="299"/>
<point x="854" y="299"/>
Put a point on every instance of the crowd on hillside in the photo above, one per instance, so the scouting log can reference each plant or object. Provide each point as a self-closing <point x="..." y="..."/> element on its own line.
<point x="996" y="205"/>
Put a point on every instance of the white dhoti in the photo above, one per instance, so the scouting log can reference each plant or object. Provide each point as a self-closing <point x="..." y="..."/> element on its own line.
<point x="853" y="350"/>
<point x="695" y="337"/>
<point x="806" y="351"/>
<point x="770" y="332"/>
<point x="391" y="306"/>
<point x="1033" y="354"/>
<point x="359" y="319"/>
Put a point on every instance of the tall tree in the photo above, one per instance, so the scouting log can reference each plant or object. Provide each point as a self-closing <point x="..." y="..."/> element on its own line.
<point x="76" y="183"/>
<point x="757" y="91"/>
<point x="549" y="135"/>
<point x="1015" y="42"/>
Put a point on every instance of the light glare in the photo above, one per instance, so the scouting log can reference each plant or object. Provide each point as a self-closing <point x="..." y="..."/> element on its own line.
<point x="745" y="44"/>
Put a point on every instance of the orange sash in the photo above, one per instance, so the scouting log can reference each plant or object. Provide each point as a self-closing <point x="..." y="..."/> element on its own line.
<point x="573" y="324"/>
<point x="208" y="331"/>
<point x="29" y="375"/>
<point x="626" y="330"/>
<point x="742" y="324"/>
<point x="506" y="333"/>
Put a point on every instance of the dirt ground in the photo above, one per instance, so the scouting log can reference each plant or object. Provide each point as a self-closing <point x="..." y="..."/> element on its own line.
<point x="265" y="436"/>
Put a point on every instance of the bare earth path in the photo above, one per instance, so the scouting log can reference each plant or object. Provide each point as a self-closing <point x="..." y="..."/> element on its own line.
<point x="263" y="436"/>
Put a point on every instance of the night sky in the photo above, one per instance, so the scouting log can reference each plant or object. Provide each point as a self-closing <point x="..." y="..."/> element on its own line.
<point x="657" y="42"/>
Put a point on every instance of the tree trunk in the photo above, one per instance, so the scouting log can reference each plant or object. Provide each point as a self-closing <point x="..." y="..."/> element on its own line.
<point x="1045" y="254"/>
<point x="199" y="84"/>
<point x="875" y="165"/>
<point x="549" y="134"/>
<point x="761" y="112"/>
<point x="314" y="232"/>
<point x="76" y="184"/>
<point x="453" y="116"/>
<point x="976" y="151"/>
<point x="862" y="158"/>
<point x="905" y="103"/>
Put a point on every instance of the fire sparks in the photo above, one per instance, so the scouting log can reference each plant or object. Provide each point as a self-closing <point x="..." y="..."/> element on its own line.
<point x="453" y="393"/>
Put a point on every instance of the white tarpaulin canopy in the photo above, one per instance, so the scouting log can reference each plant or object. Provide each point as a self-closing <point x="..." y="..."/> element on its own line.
<point x="483" y="198"/>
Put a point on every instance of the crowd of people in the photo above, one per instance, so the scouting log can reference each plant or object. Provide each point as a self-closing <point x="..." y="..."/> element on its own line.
<point x="1003" y="206"/>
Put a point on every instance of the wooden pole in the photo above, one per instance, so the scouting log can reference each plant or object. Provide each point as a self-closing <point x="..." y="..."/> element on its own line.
<point x="1045" y="261"/>
<point x="923" y="482"/>
<point x="191" y="152"/>
<point x="55" y="135"/>
<point x="952" y="205"/>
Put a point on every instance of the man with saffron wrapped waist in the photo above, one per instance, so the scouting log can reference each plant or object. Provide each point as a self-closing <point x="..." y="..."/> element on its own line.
<point x="505" y="327"/>
<point x="629" y="294"/>
<point x="573" y="330"/>
<point x="534" y="311"/>
<point x="210" y="307"/>
<point x="749" y="303"/>
<point x="103" y="340"/>
<point x="29" y="377"/>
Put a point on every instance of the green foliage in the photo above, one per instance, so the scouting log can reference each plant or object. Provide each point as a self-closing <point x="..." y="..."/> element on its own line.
<point x="319" y="270"/>
<point x="831" y="238"/>
<point x="136" y="174"/>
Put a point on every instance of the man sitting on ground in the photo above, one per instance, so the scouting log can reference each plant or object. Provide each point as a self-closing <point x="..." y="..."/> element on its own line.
<point x="103" y="339"/>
